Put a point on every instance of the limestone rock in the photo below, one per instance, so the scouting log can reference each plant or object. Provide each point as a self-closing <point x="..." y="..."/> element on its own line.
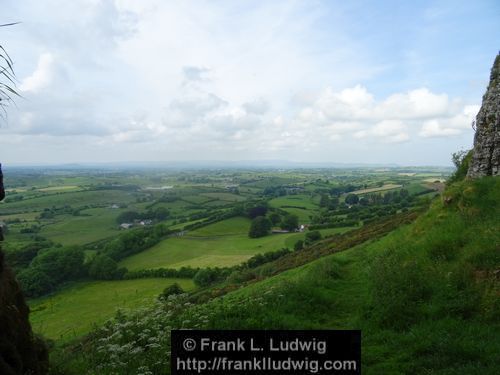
<point x="486" y="155"/>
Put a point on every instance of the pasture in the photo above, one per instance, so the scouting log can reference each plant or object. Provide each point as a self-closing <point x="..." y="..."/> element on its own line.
<point x="77" y="199"/>
<point x="377" y="189"/>
<point x="77" y="230"/>
<point x="76" y="309"/>
<point x="222" y="244"/>
<point x="301" y="205"/>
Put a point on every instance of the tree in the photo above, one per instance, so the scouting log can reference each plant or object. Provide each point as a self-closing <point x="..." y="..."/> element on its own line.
<point x="103" y="268"/>
<point x="403" y="193"/>
<point x="461" y="160"/>
<point x="161" y="213"/>
<point x="256" y="211"/>
<point x="275" y="218"/>
<point x="260" y="227"/>
<point x="290" y="222"/>
<point x="127" y="217"/>
<point x="324" y="201"/>
<point x="35" y="282"/>
<point x="351" y="199"/>
<point x="334" y="203"/>
<point x="60" y="264"/>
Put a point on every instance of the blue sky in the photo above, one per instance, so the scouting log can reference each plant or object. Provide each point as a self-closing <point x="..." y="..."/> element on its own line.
<point x="329" y="81"/>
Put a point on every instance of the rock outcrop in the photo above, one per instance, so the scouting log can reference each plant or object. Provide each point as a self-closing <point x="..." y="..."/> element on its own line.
<point x="20" y="352"/>
<point x="486" y="154"/>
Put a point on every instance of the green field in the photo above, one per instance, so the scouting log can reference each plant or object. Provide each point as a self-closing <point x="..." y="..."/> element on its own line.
<point x="228" y="197"/>
<point x="303" y="201"/>
<point x="236" y="225"/>
<point x="77" y="230"/>
<point x="77" y="199"/>
<point x="73" y="311"/>
<point x="63" y="188"/>
<point x="377" y="189"/>
<point x="222" y="244"/>
<point x="301" y="205"/>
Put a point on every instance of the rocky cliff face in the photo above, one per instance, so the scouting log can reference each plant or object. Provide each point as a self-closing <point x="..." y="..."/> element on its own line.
<point x="20" y="351"/>
<point x="486" y="155"/>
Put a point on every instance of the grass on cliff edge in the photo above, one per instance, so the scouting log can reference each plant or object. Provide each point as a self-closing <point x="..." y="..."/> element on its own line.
<point x="425" y="296"/>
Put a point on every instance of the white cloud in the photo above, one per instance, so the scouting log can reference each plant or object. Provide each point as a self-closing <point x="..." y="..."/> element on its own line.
<point x="195" y="73"/>
<point x="450" y="126"/>
<point x="355" y="111"/>
<point x="227" y="79"/>
<point x="257" y="106"/>
<point x="415" y="104"/>
<point x="390" y="131"/>
<point x="41" y="77"/>
<point x="433" y="128"/>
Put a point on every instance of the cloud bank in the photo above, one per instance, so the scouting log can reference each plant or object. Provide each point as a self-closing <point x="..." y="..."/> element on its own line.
<point x="153" y="80"/>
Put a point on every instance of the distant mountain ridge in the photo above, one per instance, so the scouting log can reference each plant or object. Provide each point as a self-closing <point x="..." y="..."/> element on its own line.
<point x="216" y="164"/>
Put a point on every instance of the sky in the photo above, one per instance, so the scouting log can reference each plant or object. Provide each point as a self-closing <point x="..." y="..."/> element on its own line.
<point x="306" y="81"/>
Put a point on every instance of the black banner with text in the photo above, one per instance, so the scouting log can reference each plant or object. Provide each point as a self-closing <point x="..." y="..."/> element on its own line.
<point x="266" y="352"/>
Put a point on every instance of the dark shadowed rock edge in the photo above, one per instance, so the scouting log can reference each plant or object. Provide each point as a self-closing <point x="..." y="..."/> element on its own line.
<point x="20" y="351"/>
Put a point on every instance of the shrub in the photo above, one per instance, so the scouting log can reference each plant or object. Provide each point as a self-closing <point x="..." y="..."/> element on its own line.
<point x="206" y="276"/>
<point x="312" y="237"/>
<point x="104" y="268"/>
<point x="461" y="160"/>
<point x="299" y="245"/>
<point x="171" y="290"/>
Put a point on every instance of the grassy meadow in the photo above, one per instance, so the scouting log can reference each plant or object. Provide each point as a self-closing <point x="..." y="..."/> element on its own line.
<point x="76" y="309"/>
<point x="222" y="244"/>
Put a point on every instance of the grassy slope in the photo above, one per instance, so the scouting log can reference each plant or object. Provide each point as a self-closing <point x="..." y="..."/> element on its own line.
<point x="424" y="296"/>
<point x="73" y="311"/>
<point x="225" y="243"/>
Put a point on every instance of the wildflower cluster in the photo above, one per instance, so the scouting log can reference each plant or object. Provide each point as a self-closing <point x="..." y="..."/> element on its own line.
<point x="138" y="342"/>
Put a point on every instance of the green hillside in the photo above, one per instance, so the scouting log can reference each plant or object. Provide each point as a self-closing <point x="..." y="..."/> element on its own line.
<point x="82" y="305"/>
<point x="426" y="296"/>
